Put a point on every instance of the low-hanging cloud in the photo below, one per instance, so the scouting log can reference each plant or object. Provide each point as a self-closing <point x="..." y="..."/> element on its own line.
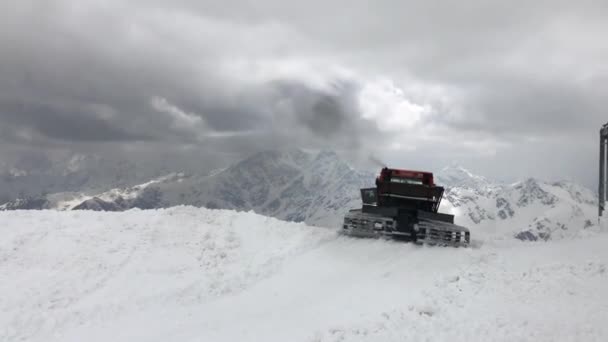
<point x="416" y="83"/>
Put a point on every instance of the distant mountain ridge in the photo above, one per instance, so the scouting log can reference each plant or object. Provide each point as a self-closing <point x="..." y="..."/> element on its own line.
<point x="531" y="209"/>
<point x="318" y="188"/>
<point x="78" y="172"/>
<point x="292" y="185"/>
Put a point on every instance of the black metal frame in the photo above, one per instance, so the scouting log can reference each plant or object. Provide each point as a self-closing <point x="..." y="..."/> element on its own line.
<point x="603" y="167"/>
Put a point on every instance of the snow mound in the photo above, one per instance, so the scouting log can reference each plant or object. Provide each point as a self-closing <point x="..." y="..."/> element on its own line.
<point x="68" y="268"/>
<point x="190" y="274"/>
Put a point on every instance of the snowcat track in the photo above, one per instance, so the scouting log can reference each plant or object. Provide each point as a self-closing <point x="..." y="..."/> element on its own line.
<point x="443" y="233"/>
<point x="430" y="232"/>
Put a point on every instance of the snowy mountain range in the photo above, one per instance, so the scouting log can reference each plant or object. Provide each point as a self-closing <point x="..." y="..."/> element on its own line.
<point x="33" y="177"/>
<point x="318" y="188"/>
<point x="531" y="209"/>
<point x="39" y="175"/>
<point x="292" y="185"/>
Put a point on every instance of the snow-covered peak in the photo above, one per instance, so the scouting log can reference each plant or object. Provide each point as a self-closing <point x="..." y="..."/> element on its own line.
<point x="458" y="176"/>
<point x="78" y="162"/>
<point x="15" y="172"/>
<point x="287" y="157"/>
<point x="327" y="155"/>
<point x="531" y="190"/>
<point x="289" y="184"/>
<point x="577" y="192"/>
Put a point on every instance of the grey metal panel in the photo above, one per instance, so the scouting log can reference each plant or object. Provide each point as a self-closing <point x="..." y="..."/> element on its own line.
<point x="410" y="190"/>
<point x="411" y="198"/>
<point x="384" y="211"/>
<point x="436" y="216"/>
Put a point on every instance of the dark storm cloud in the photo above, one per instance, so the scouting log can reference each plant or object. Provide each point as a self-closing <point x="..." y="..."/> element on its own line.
<point x="328" y="116"/>
<point x="64" y="123"/>
<point x="529" y="107"/>
<point x="92" y="74"/>
<point x="238" y="76"/>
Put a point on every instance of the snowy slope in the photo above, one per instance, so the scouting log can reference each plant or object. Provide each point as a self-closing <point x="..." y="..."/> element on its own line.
<point x="188" y="274"/>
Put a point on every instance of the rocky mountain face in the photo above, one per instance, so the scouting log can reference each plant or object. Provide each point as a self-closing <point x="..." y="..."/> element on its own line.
<point x="319" y="188"/>
<point x="290" y="185"/>
<point x="531" y="209"/>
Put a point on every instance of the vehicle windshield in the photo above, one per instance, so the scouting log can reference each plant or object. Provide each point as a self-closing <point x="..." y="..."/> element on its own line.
<point x="406" y="180"/>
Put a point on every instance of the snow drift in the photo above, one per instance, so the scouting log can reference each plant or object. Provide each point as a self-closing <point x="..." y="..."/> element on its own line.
<point x="188" y="274"/>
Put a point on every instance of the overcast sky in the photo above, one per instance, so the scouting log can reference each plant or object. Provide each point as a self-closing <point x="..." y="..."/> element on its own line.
<point x="508" y="89"/>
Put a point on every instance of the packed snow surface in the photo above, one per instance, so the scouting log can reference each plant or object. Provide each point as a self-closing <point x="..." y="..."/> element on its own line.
<point x="189" y="274"/>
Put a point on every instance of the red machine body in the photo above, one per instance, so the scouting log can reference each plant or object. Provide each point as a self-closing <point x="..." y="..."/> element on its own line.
<point x="406" y="176"/>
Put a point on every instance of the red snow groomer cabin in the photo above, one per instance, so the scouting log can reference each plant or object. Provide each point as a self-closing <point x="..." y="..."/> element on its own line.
<point x="402" y="187"/>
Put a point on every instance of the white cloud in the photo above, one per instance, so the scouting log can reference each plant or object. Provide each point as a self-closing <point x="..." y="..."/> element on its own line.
<point x="388" y="105"/>
<point x="180" y="119"/>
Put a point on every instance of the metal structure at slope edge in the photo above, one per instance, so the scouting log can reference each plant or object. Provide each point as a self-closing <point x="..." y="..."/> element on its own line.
<point x="603" y="168"/>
